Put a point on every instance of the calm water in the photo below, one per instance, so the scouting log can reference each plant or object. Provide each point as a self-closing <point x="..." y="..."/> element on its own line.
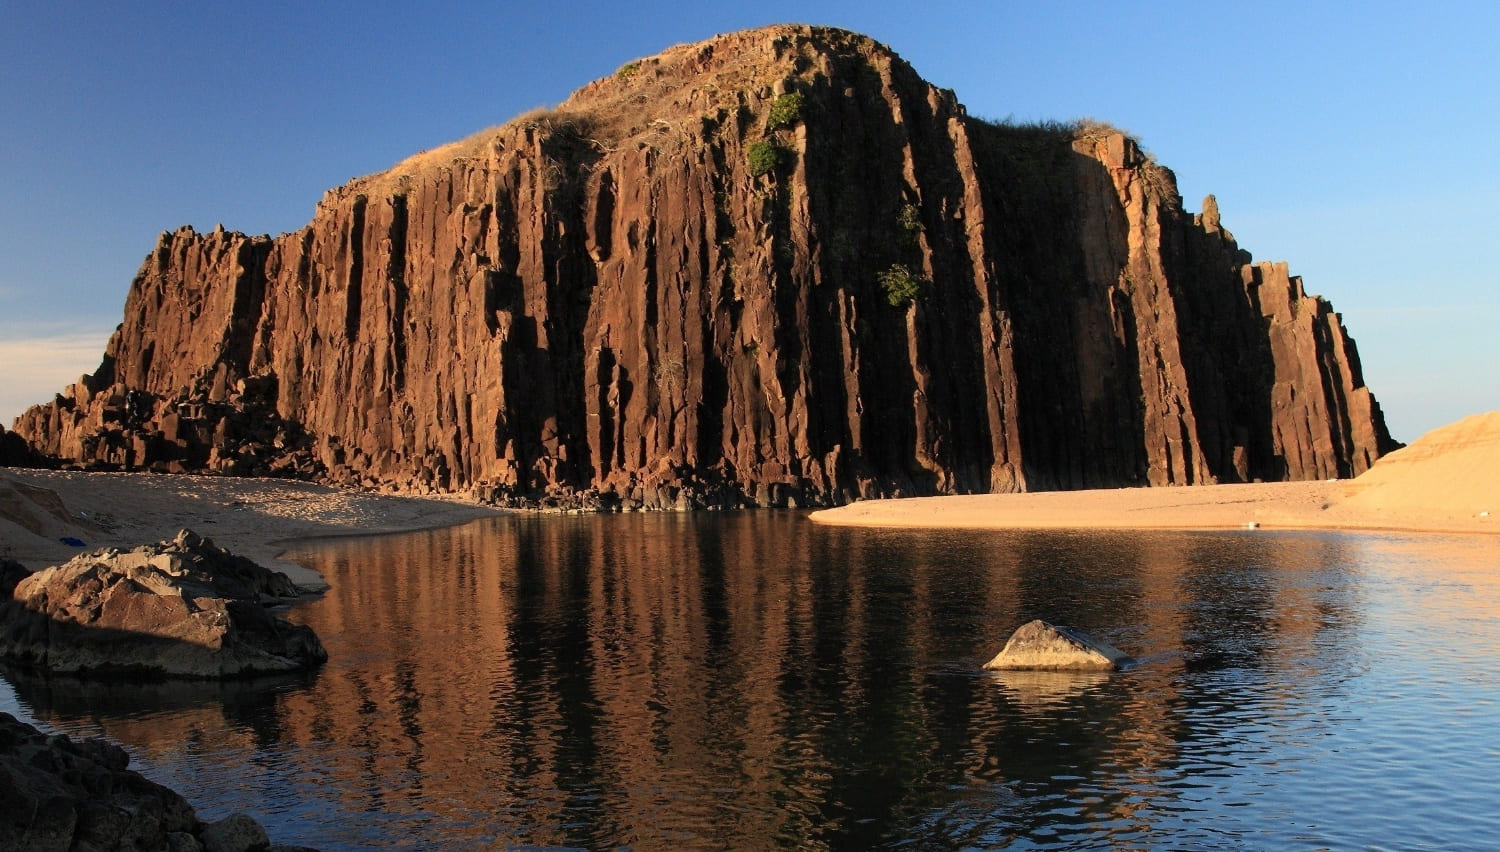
<point x="749" y="680"/>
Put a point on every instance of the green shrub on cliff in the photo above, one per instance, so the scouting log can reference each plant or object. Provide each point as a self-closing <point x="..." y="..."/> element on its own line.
<point x="899" y="284"/>
<point x="766" y="157"/>
<point x="786" y="111"/>
<point x="909" y="222"/>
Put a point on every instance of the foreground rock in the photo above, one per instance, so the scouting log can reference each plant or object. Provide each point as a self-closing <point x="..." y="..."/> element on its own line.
<point x="180" y="608"/>
<point x="11" y="574"/>
<point x="773" y="268"/>
<point x="1042" y="646"/>
<point x="60" y="794"/>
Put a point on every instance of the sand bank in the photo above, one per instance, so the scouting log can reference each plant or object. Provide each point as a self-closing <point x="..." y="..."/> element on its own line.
<point x="1446" y="481"/>
<point x="250" y="517"/>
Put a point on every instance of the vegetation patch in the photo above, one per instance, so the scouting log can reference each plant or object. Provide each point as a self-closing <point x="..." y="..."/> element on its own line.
<point x="628" y="70"/>
<point x="899" y="284"/>
<point x="786" y="111"/>
<point x="909" y="222"/>
<point x="767" y="157"/>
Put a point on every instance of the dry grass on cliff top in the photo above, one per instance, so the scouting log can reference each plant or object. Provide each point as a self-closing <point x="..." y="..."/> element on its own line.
<point x="1446" y="481"/>
<point x="650" y="96"/>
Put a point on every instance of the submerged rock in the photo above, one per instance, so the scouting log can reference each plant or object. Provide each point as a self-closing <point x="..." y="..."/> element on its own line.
<point x="1039" y="645"/>
<point x="238" y="833"/>
<point x="179" y="608"/>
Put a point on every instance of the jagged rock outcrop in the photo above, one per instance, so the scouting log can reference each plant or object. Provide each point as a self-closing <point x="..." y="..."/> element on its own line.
<point x="179" y="608"/>
<point x="772" y="268"/>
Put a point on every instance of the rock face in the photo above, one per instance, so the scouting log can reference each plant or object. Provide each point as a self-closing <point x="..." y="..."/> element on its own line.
<point x="58" y="794"/>
<point x="62" y="795"/>
<point x="773" y="268"/>
<point x="181" y="608"/>
<point x="11" y="573"/>
<point x="1038" y="645"/>
<point x="15" y="452"/>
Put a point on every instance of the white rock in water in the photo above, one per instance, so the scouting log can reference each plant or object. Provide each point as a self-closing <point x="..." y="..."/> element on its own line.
<point x="1039" y="645"/>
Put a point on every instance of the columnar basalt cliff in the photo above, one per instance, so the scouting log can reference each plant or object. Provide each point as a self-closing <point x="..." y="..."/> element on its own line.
<point x="772" y="268"/>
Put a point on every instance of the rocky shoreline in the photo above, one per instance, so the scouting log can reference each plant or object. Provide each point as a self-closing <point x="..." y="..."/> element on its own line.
<point x="80" y="795"/>
<point x="182" y="608"/>
<point x="253" y="517"/>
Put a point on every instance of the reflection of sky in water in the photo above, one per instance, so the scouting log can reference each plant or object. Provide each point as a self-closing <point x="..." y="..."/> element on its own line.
<point x="752" y="680"/>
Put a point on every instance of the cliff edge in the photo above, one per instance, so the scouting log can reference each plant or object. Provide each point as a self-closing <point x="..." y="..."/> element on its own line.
<point x="773" y="268"/>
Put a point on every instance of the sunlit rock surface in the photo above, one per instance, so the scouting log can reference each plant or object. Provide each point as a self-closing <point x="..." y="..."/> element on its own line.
<point x="1039" y="645"/>
<point x="179" y="608"/>
<point x="773" y="268"/>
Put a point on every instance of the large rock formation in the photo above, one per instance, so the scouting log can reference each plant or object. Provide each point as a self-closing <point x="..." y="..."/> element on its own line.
<point x="179" y="608"/>
<point x="775" y="267"/>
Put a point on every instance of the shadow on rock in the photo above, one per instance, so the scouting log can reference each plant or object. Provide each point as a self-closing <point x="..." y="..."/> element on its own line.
<point x="183" y="608"/>
<point x="64" y="794"/>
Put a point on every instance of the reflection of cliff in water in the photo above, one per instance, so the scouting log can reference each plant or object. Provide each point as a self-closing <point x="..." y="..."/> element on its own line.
<point x="750" y="679"/>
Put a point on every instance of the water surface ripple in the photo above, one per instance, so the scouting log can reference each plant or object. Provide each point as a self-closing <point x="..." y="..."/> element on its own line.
<point x="750" y="680"/>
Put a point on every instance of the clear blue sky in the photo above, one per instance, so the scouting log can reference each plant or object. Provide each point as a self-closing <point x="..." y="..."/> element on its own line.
<point x="1357" y="142"/>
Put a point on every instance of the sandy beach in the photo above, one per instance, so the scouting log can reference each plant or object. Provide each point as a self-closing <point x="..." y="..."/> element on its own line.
<point x="250" y="517"/>
<point x="1447" y="481"/>
<point x="1444" y="482"/>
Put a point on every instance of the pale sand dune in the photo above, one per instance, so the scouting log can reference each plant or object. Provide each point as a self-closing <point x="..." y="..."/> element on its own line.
<point x="1451" y="473"/>
<point x="1446" y="481"/>
<point x="251" y="517"/>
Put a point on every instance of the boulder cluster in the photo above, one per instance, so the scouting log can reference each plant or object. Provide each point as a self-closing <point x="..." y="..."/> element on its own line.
<point x="209" y="425"/>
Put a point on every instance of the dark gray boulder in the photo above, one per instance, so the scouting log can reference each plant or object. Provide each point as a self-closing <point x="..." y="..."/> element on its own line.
<point x="237" y="833"/>
<point x="56" y="793"/>
<point x="65" y="795"/>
